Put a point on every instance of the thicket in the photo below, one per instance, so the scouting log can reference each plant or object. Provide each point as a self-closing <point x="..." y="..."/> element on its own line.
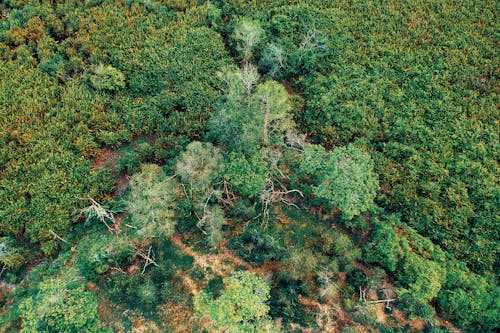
<point x="234" y="123"/>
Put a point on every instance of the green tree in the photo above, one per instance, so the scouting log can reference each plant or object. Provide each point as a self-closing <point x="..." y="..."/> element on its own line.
<point x="250" y="116"/>
<point x="151" y="202"/>
<point x="107" y="78"/>
<point x="61" y="305"/>
<point x="247" y="35"/>
<point x="345" y="177"/>
<point x="471" y="300"/>
<point x="198" y="167"/>
<point x="241" y="307"/>
<point x="247" y="175"/>
<point x="272" y="107"/>
<point x="212" y="221"/>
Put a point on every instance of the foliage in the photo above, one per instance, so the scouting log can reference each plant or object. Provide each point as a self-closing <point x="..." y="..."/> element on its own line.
<point x="471" y="299"/>
<point x="246" y="35"/>
<point x="251" y="115"/>
<point x="241" y="307"/>
<point x="345" y="176"/>
<point x="99" y="252"/>
<point x="12" y="257"/>
<point x="212" y="221"/>
<point x="106" y="78"/>
<point x="299" y="264"/>
<point x="247" y="175"/>
<point x="398" y="106"/>
<point x="430" y="123"/>
<point x="199" y="167"/>
<point x="61" y="305"/>
<point x="151" y="202"/>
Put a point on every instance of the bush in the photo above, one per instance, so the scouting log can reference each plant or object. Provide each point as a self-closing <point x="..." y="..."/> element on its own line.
<point x="63" y="305"/>
<point x="106" y="78"/>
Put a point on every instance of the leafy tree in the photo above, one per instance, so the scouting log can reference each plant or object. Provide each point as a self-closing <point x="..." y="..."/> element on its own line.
<point x="61" y="305"/>
<point x="151" y="202"/>
<point x="241" y="306"/>
<point x="272" y="112"/>
<point x="471" y="300"/>
<point x="107" y="78"/>
<point x="247" y="34"/>
<point x="345" y="177"/>
<point x="247" y="175"/>
<point x="423" y="277"/>
<point x="212" y="221"/>
<point x="385" y="248"/>
<point x="199" y="166"/>
<point x="249" y="117"/>
<point x="11" y="256"/>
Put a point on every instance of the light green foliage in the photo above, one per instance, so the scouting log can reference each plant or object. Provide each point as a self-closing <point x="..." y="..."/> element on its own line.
<point x="272" y="112"/>
<point x="151" y="202"/>
<point x="199" y="166"/>
<point x="348" y="180"/>
<point x="233" y="123"/>
<point x="424" y="277"/>
<point x="247" y="175"/>
<point x="247" y="35"/>
<point x="61" y="305"/>
<point x="345" y="177"/>
<point x="147" y="292"/>
<point x="417" y="263"/>
<point x="299" y="264"/>
<point x="241" y="307"/>
<point x="247" y="116"/>
<point x="12" y="257"/>
<point x="107" y="78"/>
<point x="312" y="159"/>
<point x="212" y="221"/>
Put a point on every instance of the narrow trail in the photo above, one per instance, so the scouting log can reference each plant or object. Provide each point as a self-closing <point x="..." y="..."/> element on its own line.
<point x="222" y="263"/>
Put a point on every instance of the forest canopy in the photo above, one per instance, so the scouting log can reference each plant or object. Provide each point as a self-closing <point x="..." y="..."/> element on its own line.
<point x="264" y="166"/>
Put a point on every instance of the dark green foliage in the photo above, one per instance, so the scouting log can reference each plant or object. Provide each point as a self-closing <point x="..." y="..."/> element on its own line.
<point x="131" y="156"/>
<point x="356" y="278"/>
<point x="425" y="99"/>
<point x="258" y="245"/>
<point x="98" y="252"/>
<point x="247" y="175"/>
<point x="428" y="274"/>
<point x="472" y="300"/>
<point x="214" y="286"/>
<point x="284" y="304"/>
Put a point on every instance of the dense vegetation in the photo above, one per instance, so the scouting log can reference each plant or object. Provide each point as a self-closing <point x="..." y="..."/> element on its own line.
<point x="245" y="166"/>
